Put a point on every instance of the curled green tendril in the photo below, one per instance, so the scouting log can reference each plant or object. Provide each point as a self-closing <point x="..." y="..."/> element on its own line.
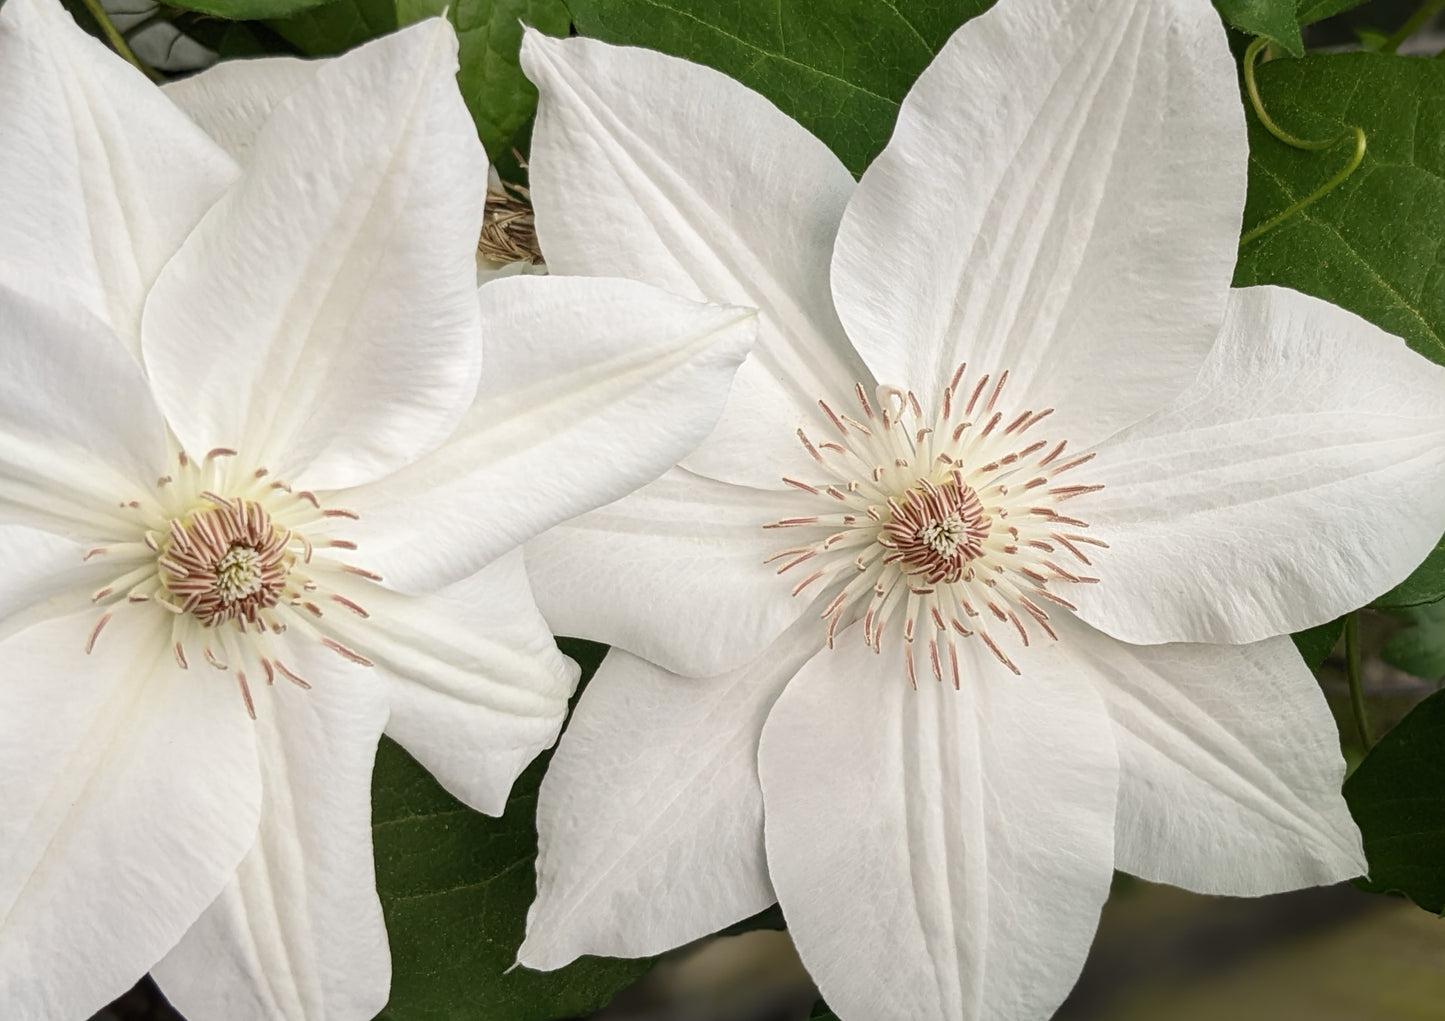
<point x="1251" y="56"/>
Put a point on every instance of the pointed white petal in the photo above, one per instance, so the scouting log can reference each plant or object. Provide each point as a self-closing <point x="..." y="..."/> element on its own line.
<point x="476" y="684"/>
<point x="102" y="176"/>
<point x="232" y="100"/>
<point x="655" y="168"/>
<point x="591" y="389"/>
<point x="298" y="934"/>
<point x="1061" y="199"/>
<point x="130" y="793"/>
<point x="1302" y="475"/>
<point x="939" y="854"/>
<point x="80" y="429"/>
<point x="650" y="817"/>
<point x="674" y="573"/>
<point x="1230" y="765"/>
<point x="323" y="314"/>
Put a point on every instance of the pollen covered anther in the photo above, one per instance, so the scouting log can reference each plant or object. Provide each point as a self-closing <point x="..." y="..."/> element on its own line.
<point x="949" y="524"/>
<point x="233" y="559"/>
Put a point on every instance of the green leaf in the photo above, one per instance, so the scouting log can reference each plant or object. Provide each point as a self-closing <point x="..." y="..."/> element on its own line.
<point x="1426" y="583"/>
<point x="1310" y="11"/>
<point x="1397" y="796"/>
<point x="337" y="26"/>
<point x="490" y="32"/>
<point x="455" y="886"/>
<point x="246" y="10"/>
<point x="822" y="1013"/>
<point x="1316" y="643"/>
<point x="1419" y="647"/>
<point x="1273" y="19"/>
<point x="840" y="69"/>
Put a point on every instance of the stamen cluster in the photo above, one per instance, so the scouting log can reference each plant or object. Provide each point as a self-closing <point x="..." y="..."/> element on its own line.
<point x="951" y="523"/>
<point x="233" y="557"/>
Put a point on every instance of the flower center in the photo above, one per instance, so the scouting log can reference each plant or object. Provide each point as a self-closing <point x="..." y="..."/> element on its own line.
<point x="232" y="572"/>
<point x="951" y="523"/>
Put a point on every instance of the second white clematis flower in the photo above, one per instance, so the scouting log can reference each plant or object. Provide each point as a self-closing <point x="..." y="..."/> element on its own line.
<point x="974" y="594"/>
<point x="256" y="506"/>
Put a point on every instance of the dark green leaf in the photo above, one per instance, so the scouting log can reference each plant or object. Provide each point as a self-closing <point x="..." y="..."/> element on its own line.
<point x="1419" y="647"/>
<point x="244" y="10"/>
<point x="338" y="26"/>
<point x="1397" y="796"/>
<point x="490" y="31"/>
<point x="839" y="68"/>
<point x="822" y="1013"/>
<point x="1426" y="583"/>
<point x="1316" y="643"/>
<point x="1310" y="11"/>
<point x="455" y="886"/>
<point x="1273" y="19"/>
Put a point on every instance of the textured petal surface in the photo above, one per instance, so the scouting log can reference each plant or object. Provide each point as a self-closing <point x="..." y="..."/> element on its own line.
<point x="592" y="388"/>
<point x="1230" y="765"/>
<point x="1061" y="199"/>
<point x="298" y="934"/>
<point x="44" y="576"/>
<point x="78" y="428"/>
<point x="102" y="177"/>
<point x="1301" y="475"/>
<point x="232" y="100"/>
<point x="476" y="684"/>
<point x="650" y="816"/>
<point x="323" y="313"/>
<point x="130" y="793"/>
<point x="673" y="573"/>
<point x="658" y="169"/>
<point x="940" y="855"/>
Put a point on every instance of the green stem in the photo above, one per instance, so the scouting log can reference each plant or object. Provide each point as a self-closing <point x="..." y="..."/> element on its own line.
<point x="1413" y="24"/>
<point x="117" y="41"/>
<point x="1355" y="675"/>
<point x="1251" y="86"/>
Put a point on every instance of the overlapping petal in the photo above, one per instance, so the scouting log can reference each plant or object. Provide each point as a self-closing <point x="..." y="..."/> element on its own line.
<point x="939" y="854"/>
<point x="1296" y="479"/>
<point x="324" y="310"/>
<point x="657" y="840"/>
<point x="45" y="576"/>
<point x="131" y="793"/>
<point x="81" y="433"/>
<point x="1230" y="767"/>
<point x="476" y="685"/>
<point x="298" y="934"/>
<point x="661" y="170"/>
<point x="102" y="176"/>
<point x="1061" y="199"/>
<point x="591" y="389"/>
<point x="231" y="101"/>
<point x="674" y="573"/>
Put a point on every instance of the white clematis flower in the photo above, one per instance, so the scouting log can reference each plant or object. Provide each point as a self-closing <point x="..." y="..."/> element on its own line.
<point x="256" y="506"/>
<point x="977" y="590"/>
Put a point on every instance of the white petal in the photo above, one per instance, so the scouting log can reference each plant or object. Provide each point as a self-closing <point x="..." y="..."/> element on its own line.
<point x="322" y="317"/>
<point x="476" y="684"/>
<point x="45" y="576"/>
<point x="650" y="817"/>
<point x="1302" y="475"/>
<point x="674" y="573"/>
<point x="298" y="934"/>
<point x="1061" y="199"/>
<point x="658" y="169"/>
<point x="102" y="176"/>
<point x="79" y="431"/>
<point x="130" y="793"/>
<point x="1230" y="765"/>
<point x="939" y="854"/>
<point x="592" y="388"/>
<point x="232" y="100"/>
